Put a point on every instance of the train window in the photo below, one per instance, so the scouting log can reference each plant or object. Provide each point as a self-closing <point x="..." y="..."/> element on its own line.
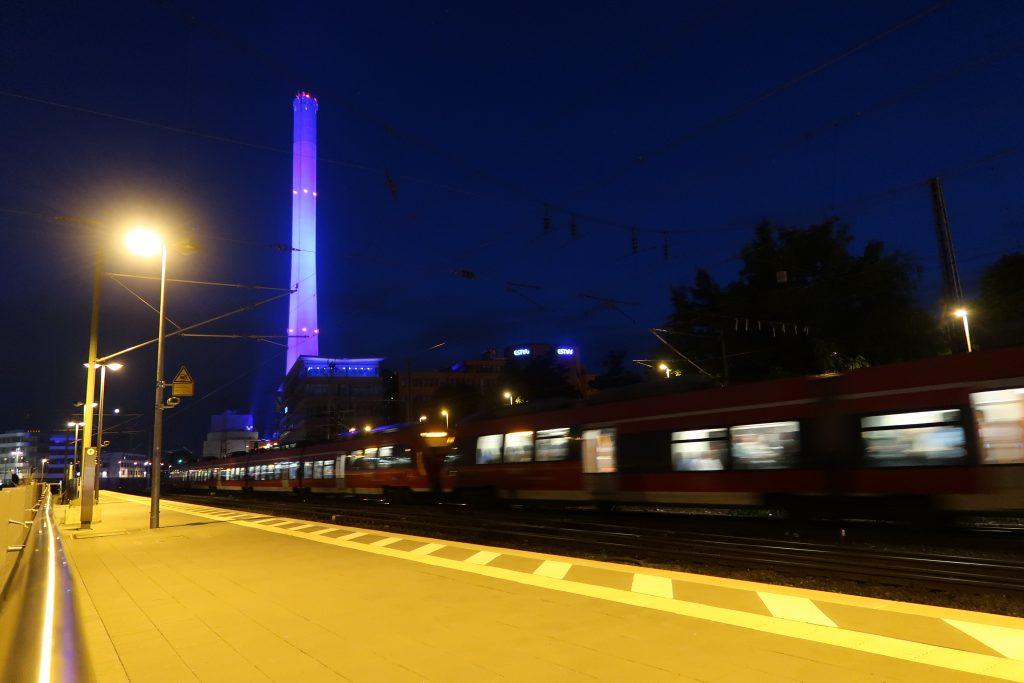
<point x="307" y="470"/>
<point x="293" y="469"/>
<point x="1000" y="419"/>
<point x="769" y="445"/>
<point x="518" y="447"/>
<point x="402" y="457"/>
<point x="488" y="449"/>
<point x="339" y="466"/>
<point x="329" y="469"/>
<point x="599" y="451"/>
<point x="551" y="444"/>
<point x="385" y="457"/>
<point x="700" y="449"/>
<point x="318" y="469"/>
<point x="369" y="458"/>
<point x="931" y="437"/>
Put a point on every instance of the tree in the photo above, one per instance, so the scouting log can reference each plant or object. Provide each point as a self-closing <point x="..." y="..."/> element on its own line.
<point x="537" y="377"/>
<point x="460" y="399"/>
<point x="999" y="318"/>
<point x="804" y="302"/>
<point x="615" y="374"/>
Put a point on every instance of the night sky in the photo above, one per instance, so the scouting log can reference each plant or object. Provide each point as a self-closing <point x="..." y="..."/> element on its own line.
<point x="444" y="129"/>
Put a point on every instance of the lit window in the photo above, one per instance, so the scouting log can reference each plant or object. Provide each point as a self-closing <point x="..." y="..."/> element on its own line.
<point x="519" y="447"/>
<point x="769" y="445"/>
<point x="551" y="444"/>
<point x="599" y="451"/>
<point x="699" y="449"/>
<point x="931" y="437"/>
<point x="1000" y="419"/>
<point x="488" y="449"/>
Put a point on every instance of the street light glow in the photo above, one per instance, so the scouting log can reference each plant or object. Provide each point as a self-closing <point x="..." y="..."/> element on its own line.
<point x="143" y="242"/>
<point x="960" y="312"/>
<point x="115" y="366"/>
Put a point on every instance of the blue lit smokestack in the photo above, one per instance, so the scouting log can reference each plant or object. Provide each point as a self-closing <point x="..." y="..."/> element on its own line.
<point x="302" y="304"/>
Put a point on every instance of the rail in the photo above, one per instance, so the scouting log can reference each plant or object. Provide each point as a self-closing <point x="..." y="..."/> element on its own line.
<point x="40" y="635"/>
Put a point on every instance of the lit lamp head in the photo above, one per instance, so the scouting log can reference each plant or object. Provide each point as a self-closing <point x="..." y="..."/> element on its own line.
<point x="663" y="367"/>
<point x="70" y="425"/>
<point x="507" y="394"/>
<point x="115" y="366"/>
<point x="143" y="242"/>
<point x="960" y="313"/>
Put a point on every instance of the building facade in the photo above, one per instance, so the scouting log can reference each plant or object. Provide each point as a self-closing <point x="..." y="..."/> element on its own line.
<point x="19" y="453"/>
<point x="230" y="432"/>
<point x="323" y="397"/>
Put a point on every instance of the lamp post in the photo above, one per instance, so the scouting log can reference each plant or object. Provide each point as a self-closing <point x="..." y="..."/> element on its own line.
<point x="508" y="397"/>
<point x="962" y="314"/>
<point x="444" y="414"/>
<point x="113" y="367"/>
<point x="147" y="243"/>
<point x="666" y="369"/>
<point x="88" y="452"/>
<point x="74" y="455"/>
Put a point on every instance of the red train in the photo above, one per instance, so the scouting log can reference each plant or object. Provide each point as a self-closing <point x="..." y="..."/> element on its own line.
<point x="943" y="432"/>
<point x="394" y="461"/>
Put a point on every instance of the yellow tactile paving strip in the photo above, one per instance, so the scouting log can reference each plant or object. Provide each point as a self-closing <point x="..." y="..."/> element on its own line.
<point x="969" y="642"/>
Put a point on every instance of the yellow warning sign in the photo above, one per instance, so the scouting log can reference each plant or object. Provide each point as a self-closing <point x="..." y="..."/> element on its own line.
<point x="182" y="384"/>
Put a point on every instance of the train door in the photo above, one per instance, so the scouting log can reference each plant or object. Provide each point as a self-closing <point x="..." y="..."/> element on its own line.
<point x="339" y="472"/>
<point x="600" y="464"/>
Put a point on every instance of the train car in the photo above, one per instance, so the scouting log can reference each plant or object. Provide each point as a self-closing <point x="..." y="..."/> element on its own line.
<point x="397" y="461"/>
<point x="942" y="432"/>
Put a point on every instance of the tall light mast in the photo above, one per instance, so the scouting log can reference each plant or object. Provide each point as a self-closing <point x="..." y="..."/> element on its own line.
<point x="302" y="322"/>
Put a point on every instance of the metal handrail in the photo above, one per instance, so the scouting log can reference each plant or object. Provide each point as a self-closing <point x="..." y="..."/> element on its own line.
<point x="40" y="634"/>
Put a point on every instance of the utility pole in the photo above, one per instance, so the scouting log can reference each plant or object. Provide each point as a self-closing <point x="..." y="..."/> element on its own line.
<point x="952" y="294"/>
<point x="158" y="416"/>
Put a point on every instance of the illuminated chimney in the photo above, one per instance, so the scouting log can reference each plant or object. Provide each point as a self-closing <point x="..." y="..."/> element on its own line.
<point x="302" y="303"/>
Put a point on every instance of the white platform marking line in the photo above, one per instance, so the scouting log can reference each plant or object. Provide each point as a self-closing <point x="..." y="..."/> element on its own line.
<point x="794" y="608"/>
<point x="386" y="541"/>
<point x="553" y="569"/>
<point x="349" y="537"/>
<point x="1007" y="641"/>
<point x="427" y="548"/>
<point x="482" y="557"/>
<point x="648" y="584"/>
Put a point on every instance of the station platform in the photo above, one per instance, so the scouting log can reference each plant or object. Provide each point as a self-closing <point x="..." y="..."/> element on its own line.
<point x="223" y="595"/>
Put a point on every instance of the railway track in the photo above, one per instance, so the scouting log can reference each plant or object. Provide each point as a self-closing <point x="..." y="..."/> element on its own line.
<point x="564" y="533"/>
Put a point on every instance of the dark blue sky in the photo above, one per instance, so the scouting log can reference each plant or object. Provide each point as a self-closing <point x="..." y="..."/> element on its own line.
<point x="480" y="113"/>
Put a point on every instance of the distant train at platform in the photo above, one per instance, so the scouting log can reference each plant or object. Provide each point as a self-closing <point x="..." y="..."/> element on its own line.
<point x="940" y="433"/>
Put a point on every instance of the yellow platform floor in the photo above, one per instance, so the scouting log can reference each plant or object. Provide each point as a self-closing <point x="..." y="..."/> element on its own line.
<point x="222" y="595"/>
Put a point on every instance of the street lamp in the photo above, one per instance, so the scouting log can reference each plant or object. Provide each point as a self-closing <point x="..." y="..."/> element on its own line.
<point x="666" y="369"/>
<point x="508" y="397"/>
<point x="74" y="451"/>
<point x="113" y="367"/>
<point x="145" y="242"/>
<point x="962" y="314"/>
<point x="444" y="414"/>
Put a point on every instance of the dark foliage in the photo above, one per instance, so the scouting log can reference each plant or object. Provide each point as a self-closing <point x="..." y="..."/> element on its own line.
<point x="804" y="302"/>
<point x="998" y="319"/>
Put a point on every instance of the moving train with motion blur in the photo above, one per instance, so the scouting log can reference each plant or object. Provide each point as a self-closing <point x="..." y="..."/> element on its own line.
<point x="941" y="433"/>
